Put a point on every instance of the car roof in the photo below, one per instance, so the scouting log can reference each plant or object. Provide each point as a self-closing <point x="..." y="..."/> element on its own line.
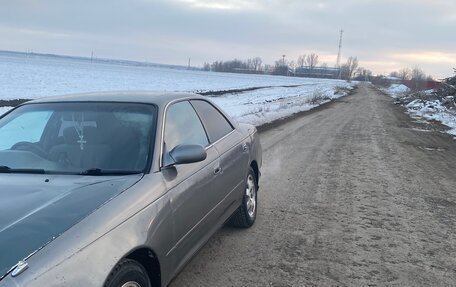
<point x="157" y="98"/>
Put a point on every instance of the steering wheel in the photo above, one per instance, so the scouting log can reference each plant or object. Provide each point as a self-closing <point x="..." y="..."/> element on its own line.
<point x="32" y="147"/>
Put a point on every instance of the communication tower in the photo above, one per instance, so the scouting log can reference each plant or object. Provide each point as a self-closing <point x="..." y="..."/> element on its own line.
<point x="338" y="54"/>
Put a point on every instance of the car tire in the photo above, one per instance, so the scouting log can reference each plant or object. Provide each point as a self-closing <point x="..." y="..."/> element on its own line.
<point x="128" y="273"/>
<point x="245" y="215"/>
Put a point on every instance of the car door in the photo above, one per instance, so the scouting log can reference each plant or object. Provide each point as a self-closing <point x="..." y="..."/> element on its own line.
<point x="190" y="185"/>
<point x="232" y="147"/>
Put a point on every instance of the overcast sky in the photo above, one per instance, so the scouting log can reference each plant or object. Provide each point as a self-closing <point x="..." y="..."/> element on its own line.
<point x="385" y="35"/>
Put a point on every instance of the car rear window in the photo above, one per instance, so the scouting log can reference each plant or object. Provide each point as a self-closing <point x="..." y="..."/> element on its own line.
<point x="217" y="126"/>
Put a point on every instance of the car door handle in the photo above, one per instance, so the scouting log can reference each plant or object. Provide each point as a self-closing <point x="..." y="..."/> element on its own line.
<point x="245" y="147"/>
<point x="217" y="170"/>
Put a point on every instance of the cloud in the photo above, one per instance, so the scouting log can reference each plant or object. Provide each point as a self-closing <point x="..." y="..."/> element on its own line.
<point x="222" y="5"/>
<point x="396" y="32"/>
<point x="427" y="56"/>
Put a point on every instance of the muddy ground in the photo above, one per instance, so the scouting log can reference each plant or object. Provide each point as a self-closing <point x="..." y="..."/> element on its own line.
<point x="353" y="194"/>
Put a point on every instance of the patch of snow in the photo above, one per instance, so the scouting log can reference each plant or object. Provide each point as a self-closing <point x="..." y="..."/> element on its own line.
<point x="397" y="90"/>
<point x="4" y="110"/>
<point x="434" y="110"/>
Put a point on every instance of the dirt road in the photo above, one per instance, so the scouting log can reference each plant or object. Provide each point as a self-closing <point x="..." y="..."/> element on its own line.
<point x="356" y="193"/>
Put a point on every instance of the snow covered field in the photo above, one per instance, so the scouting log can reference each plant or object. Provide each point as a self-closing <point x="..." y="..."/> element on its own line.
<point x="29" y="77"/>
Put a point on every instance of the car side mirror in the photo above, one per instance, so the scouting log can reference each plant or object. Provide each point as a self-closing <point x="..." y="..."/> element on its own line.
<point x="183" y="154"/>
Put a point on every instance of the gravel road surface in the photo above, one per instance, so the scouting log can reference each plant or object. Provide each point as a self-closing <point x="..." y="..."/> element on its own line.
<point x="356" y="193"/>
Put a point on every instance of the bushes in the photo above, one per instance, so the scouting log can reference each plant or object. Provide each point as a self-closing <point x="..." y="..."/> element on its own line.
<point x="318" y="97"/>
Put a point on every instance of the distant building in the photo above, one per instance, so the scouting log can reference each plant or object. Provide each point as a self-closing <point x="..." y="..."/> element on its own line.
<point x="421" y="85"/>
<point x="393" y="80"/>
<point x="317" y="72"/>
<point x="246" y="71"/>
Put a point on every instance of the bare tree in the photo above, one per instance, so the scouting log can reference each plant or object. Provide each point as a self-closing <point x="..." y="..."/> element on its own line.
<point x="359" y="71"/>
<point x="351" y="65"/>
<point x="292" y="65"/>
<point x="417" y="74"/>
<point x="301" y="61"/>
<point x="281" y="67"/>
<point x="394" y="74"/>
<point x="418" y="78"/>
<point x="344" y="72"/>
<point x="404" y="74"/>
<point x="281" y="63"/>
<point x="363" y="74"/>
<point x="249" y="64"/>
<point x="312" y="60"/>
<point x="268" y="68"/>
<point x="256" y="62"/>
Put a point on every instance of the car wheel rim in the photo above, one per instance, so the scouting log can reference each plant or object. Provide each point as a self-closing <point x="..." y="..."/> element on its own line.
<point x="131" y="284"/>
<point x="250" y="193"/>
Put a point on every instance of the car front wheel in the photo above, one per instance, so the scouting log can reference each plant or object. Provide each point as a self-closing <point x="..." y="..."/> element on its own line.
<point x="128" y="273"/>
<point x="245" y="215"/>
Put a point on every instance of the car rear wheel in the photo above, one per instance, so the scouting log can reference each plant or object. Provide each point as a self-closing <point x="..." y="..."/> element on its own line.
<point x="245" y="215"/>
<point x="128" y="273"/>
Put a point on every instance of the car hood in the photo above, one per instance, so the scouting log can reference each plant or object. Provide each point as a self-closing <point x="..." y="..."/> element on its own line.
<point x="36" y="209"/>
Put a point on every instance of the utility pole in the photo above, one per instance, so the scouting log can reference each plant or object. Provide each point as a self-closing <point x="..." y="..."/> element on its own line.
<point x="283" y="64"/>
<point x="188" y="68"/>
<point x="338" y="54"/>
<point x="91" y="58"/>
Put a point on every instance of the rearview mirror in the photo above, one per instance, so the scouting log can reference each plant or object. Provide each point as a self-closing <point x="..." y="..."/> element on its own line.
<point x="182" y="154"/>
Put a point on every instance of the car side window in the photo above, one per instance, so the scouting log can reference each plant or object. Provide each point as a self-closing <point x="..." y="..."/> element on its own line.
<point x="182" y="126"/>
<point x="217" y="126"/>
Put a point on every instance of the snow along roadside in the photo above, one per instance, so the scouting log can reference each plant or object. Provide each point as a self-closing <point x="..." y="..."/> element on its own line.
<point x="434" y="110"/>
<point x="263" y="106"/>
<point x="427" y="109"/>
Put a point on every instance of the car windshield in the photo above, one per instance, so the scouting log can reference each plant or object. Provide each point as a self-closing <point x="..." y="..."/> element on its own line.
<point x="93" y="138"/>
